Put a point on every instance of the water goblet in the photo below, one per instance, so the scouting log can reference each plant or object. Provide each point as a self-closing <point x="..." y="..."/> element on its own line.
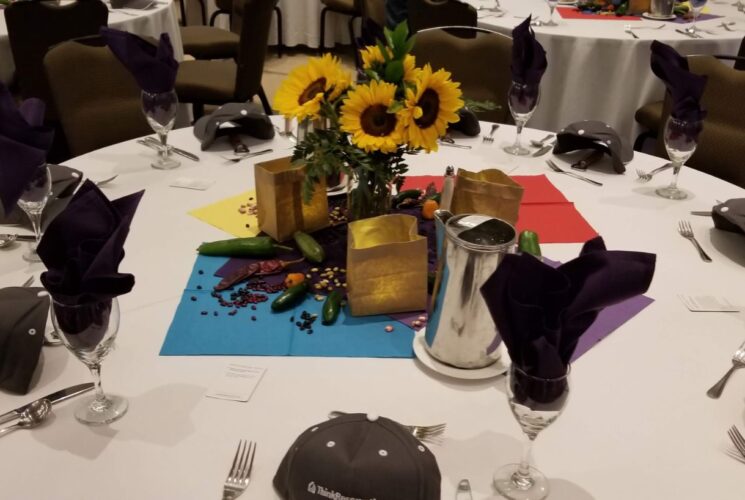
<point x="88" y="330"/>
<point x="522" y="99"/>
<point x="160" y="110"/>
<point x="32" y="201"/>
<point x="552" y="7"/>
<point x="536" y="403"/>
<point x="681" y="139"/>
<point x="696" y="7"/>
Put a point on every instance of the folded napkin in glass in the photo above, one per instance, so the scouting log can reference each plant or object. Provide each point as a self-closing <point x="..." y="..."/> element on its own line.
<point x="541" y="312"/>
<point x="591" y="134"/>
<point x="529" y="60"/>
<point x="730" y="215"/>
<point x="24" y="143"/>
<point x="83" y="246"/>
<point x="685" y="88"/>
<point x="153" y="67"/>
<point x="23" y="319"/>
<point x="234" y="118"/>
<point x="358" y="456"/>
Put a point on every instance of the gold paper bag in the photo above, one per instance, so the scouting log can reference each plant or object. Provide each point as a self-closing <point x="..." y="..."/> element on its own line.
<point x="386" y="266"/>
<point x="489" y="192"/>
<point x="279" y="200"/>
<point x="638" y="6"/>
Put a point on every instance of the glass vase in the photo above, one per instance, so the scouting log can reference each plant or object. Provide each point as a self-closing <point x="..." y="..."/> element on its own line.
<point x="368" y="195"/>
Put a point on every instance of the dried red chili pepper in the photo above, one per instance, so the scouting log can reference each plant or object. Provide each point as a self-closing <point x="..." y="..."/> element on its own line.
<point x="262" y="268"/>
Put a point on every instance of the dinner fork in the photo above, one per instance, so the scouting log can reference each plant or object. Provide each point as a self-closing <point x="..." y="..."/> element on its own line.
<point x="647" y="176"/>
<point x="685" y="230"/>
<point x="737" y="440"/>
<point x="627" y="29"/>
<point x="240" y="472"/>
<point x="427" y="433"/>
<point x="490" y="138"/>
<point x="558" y="169"/>
<point x="738" y="361"/>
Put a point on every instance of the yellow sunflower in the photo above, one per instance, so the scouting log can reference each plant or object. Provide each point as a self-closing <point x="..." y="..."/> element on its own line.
<point x="372" y="56"/>
<point x="430" y="107"/>
<point x="365" y="115"/>
<point x="301" y="93"/>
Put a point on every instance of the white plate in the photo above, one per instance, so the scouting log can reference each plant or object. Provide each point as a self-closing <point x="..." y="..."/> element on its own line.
<point x="647" y="15"/>
<point x="567" y="2"/>
<point x="494" y="370"/>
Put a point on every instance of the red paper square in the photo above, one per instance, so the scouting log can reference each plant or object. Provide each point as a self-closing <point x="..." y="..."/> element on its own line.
<point x="573" y="13"/>
<point x="555" y="222"/>
<point x="538" y="189"/>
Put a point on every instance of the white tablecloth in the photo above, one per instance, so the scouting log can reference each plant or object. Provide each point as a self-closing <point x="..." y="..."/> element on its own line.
<point x="597" y="71"/>
<point x="637" y="426"/>
<point x="301" y="24"/>
<point x="150" y="22"/>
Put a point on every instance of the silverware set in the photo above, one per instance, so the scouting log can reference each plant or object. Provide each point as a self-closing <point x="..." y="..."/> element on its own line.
<point x="686" y="231"/>
<point x="738" y="361"/>
<point x="447" y="140"/>
<point x="153" y="143"/>
<point x="426" y="433"/>
<point x="643" y="176"/>
<point x="559" y="170"/>
<point x="240" y="472"/>
<point x="243" y="156"/>
<point x="630" y="29"/>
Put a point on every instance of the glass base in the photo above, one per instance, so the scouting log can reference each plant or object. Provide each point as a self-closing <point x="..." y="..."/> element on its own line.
<point x="671" y="193"/>
<point x="508" y="484"/>
<point x="90" y="412"/>
<point x="165" y="164"/>
<point x="516" y="150"/>
<point x="550" y="22"/>
<point x="31" y="255"/>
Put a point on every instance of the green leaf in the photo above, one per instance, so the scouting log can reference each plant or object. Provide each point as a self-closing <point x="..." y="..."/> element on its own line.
<point x="395" y="107"/>
<point x="394" y="72"/>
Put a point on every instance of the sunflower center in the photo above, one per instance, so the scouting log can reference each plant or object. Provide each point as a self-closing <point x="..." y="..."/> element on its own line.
<point x="377" y="121"/>
<point x="430" y="104"/>
<point x="311" y="90"/>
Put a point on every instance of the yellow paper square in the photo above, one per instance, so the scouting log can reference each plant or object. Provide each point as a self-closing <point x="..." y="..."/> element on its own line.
<point x="226" y="215"/>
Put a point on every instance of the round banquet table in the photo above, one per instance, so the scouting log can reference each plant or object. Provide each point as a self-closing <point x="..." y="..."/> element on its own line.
<point x="597" y="71"/>
<point x="301" y="23"/>
<point x="638" y="423"/>
<point x="152" y="22"/>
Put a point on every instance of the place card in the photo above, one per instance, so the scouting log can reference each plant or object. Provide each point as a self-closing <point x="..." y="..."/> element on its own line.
<point x="192" y="183"/>
<point x="707" y="303"/>
<point x="237" y="383"/>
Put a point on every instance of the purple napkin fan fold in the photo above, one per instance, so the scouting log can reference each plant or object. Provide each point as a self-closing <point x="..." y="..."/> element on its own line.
<point x="685" y="88"/>
<point x="541" y="312"/>
<point x="24" y="143"/>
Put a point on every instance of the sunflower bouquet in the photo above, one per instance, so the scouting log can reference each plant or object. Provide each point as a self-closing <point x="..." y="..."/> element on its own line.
<point x="365" y="129"/>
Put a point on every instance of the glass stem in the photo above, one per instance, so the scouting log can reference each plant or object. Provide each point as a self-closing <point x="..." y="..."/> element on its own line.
<point x="676" y="171"/>
<point x="551" y="8"/>
<point x="36" y="225"/>
<point x="163" y="136"/>
<point x="522" y="477"/>
<point x="520" y="126"/>
<point x="96" y="373"/>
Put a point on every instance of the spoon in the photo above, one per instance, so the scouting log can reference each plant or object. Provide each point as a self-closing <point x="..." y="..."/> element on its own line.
<point x="35" y="414"/>
<point x="106" y="181"/>
<point x="6" y="240"/>
<point x="540" y="144"/>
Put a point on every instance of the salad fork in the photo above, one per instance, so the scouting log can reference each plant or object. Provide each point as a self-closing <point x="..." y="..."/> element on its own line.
<point x="627" y="29"/>
<point x="686" y="231"/>
<point x="738" y="361"/>
<point x="427" y="433"/>
<point x="647" y="176"/>
<point x="737" y="440"/>
<point x="490" y="138"/>
<point x="559" y="170"/>
<point x="240" y="472"/>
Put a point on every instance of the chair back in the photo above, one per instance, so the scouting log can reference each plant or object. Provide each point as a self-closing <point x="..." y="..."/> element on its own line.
<point x="374" y="10"/>
<point x="456" y="49"/>
<point x="435" y="13"/>
<point x="99" y="102"/>
<point x="720" y="150"/>
<point x="34" y="27"/>
<point x="254" y="18"/>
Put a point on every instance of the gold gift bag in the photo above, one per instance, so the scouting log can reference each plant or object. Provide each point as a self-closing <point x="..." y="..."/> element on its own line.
<point x="386" y="266"/>
<point x="489" y="192"/>
<point x="638" y="6"/>
<point x="279" y="200"/>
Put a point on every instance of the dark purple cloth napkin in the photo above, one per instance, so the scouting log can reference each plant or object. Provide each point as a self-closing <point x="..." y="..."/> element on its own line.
<point x="541" y="312"/>
<point x="153" y="67"/>
<point x="83" y="246"/>
<point x="528" y="57"/>
<point x="24" y="143"/>
<point x="685" y="87"/>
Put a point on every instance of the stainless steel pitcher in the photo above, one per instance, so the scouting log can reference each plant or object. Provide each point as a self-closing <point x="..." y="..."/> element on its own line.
<point x="460" y="330"/>
<point x="661" y="8"/>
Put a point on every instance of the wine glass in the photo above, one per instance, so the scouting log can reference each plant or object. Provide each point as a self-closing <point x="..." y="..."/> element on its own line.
<point x="536" y="403"/>
<point x="552" y="8"/>
<point x="160" y="110"/>
<point x="681" y="139"/>
<point x="522" y="99"/>
<point x="32" y="201"/>
<point x="88" y="330"/>
<point x="696" y="7"/>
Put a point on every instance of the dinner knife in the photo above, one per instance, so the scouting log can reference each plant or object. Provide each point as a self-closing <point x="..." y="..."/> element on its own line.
<point x="178" y="151"/>
<point x="543" y="150"/>
<point x="689" y="35"/>
<point x="18" y="237"/>
<point x="705" y="213"/>
<point x="55" y="397"/>
<point x="588" y="160"/>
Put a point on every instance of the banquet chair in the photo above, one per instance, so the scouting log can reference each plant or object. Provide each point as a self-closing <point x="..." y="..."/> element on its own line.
<point x="221" y="81"/>
<point x="436" y="13"/>
<point x="373" y="10"/>
<point x="649" y="116"/>
<point x="349" y="8"/>
<point x="456" y="48"/>
<point x="720" y="150"/>
<point x="99" y="103"/>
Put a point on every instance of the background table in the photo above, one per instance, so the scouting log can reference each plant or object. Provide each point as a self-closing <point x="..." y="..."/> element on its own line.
<point x="596" y="71"/>
<point x="638" y="423"/>
<point x="151" y="22"/>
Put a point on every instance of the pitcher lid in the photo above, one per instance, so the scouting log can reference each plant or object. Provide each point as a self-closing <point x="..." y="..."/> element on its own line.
<point x="482" y="233"/>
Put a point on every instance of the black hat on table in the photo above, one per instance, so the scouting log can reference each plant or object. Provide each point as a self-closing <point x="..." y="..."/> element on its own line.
<point x="358" y="457"/>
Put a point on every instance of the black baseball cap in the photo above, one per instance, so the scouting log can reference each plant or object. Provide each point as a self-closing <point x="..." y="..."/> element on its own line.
<point x="730" y="215"/>
<point x="592" y="134"/>
<point x="233" y="118"/>
<point x="358" y="457"/>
